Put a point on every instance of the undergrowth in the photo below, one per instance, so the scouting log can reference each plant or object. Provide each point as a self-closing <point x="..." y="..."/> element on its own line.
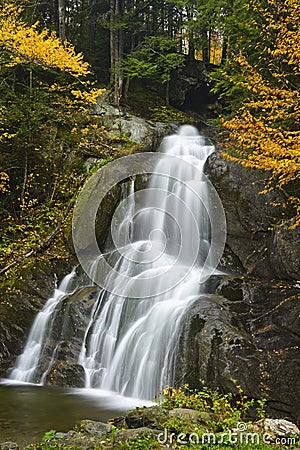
<point x="218" y="427"/>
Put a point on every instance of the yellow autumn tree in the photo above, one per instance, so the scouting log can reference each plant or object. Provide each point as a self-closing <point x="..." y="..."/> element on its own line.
<point x="31" y="95"/>
<point x="46" y="95"/>
<point x="264" y="133"/>
<point x="22" y="44"/>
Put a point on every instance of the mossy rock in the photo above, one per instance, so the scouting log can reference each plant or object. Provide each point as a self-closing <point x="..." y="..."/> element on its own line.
<point x="153" y="417"/>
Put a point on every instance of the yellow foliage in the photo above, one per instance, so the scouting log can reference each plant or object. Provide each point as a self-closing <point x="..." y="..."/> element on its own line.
<point x="265" y="131"/>
<point x="4" y="182"/>
<point x="27" y="45"/>
<point x="90" y="96"/>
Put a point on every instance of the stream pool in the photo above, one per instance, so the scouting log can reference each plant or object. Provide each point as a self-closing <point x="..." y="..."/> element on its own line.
<point x="27" y="411"/>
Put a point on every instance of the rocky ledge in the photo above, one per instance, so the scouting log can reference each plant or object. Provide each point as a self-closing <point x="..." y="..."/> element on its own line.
<point x="158" y="427"/>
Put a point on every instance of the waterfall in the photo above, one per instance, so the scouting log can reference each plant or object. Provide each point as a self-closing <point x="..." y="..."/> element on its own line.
<point x="27" y="363"/>
<point x="163" y="253"/>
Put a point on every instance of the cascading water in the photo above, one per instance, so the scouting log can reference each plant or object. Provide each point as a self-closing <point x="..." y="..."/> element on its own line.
<point x="27" y="363"/>
<point x="163" y="252"/>
<point x="130" y="343"/>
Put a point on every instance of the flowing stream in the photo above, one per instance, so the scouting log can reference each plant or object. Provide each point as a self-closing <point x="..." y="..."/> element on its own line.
<point x="130" y="342"/>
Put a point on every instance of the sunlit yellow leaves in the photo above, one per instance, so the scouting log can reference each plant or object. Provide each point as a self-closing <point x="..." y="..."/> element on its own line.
<point x="4" y="182"/>
<point x="288" y="34"/>
<point x="89" y="97"/>
<point x="27" y="45"/>
<point x="264" y="133"/>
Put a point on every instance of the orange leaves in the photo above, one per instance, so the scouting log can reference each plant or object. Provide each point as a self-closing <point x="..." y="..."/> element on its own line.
<point x="264" y="133"/>
<point x="265" y="147"/>
<point x="288" y="35"/>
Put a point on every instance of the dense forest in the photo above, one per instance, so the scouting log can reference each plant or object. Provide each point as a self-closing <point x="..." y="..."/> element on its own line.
<point x="57" y="57"/>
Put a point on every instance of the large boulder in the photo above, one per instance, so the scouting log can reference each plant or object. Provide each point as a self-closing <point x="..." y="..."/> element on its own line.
<point x="285" y="254"/>
<point x="248" y="332"/>
<point x="255" y="236"/>
<point x="118" y="121"/>
<point x="153" y="417"/>
<point x="66" y="375"/>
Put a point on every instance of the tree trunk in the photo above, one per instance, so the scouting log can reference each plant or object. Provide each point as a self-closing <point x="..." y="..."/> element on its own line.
<point x="191" y="43"/>
<point x="116" y="49"/>
<point x="62" y="20"/>
<point x="126" y="88"/>
<point x="168" y="92"/>
<point x="225" y="49"/>
<point x="205" y="46"/>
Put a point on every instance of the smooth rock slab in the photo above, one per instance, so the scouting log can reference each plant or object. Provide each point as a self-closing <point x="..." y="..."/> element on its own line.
<point x="95" y="428"/>
<point x="9" y="446"/>
<point x="127" y="435"/>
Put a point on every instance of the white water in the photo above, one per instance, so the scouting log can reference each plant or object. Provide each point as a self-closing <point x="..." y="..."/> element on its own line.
<point x="131" y="341"/>
<point x="27" y="363"/>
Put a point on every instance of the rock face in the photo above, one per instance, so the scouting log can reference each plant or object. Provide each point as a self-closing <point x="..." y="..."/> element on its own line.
<point x="285" y="254"/>
<point x="255" y="236"/>
<point x="69" y="323"/>
<point x="147" y="135"/>
<point x="248" y="328"/>
<point x="190" y="89"/>
<point x="250" y="333"/>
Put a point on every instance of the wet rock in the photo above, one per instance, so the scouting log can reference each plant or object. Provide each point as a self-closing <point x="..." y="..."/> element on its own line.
<point x="285" y="254"/>
<point x="232" y="289"/>
<point x="21" y="299"/>
<point x="126" y="435"/>
<point x="65" y="336"/>
<point x="250" y="332"/>
<point x="66" y="375"/>
<point x="118" y="422"/>
<point x="152" y="417"/>
<point x="215" y="347"/>
<point x="95" y="428"/>
<point x="256" y="325"/>
<point x="250" y="216"/>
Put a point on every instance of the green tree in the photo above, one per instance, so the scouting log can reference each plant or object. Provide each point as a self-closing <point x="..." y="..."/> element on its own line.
<point x="154" y="59"/>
